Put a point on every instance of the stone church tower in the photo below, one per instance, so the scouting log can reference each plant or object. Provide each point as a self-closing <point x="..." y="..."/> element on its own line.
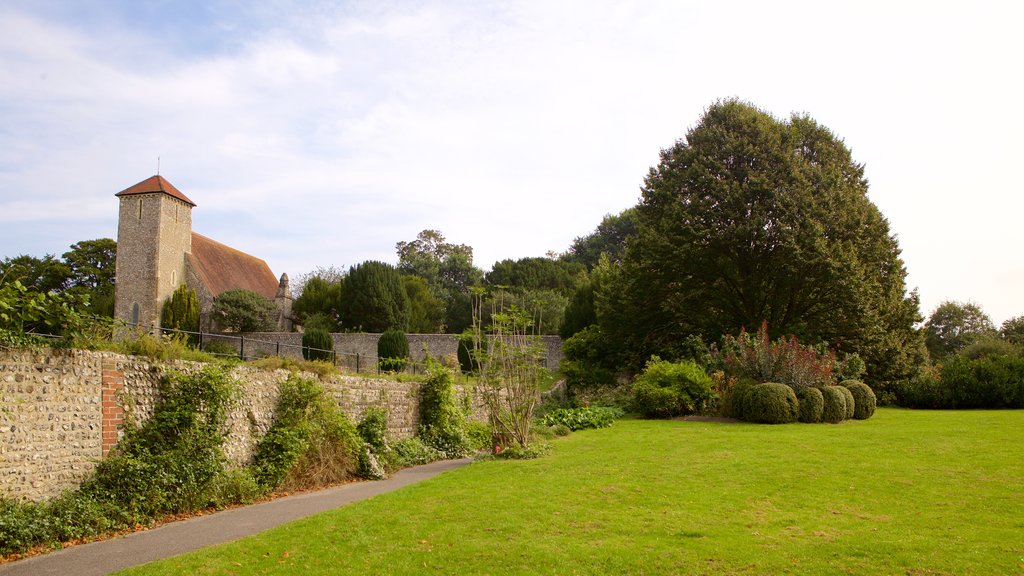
<point x="157" y="251"/>
<point x="154" y="232"/>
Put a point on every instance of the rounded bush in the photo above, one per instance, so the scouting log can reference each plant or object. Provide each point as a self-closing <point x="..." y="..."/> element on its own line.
<point x="863" y="397"/>
<point x="317" y="344"/>
<point x="665" y="389"/>
<point x="851" y="402"/>
<point x="834" y="407"/>
<point x="393" y="351"/>
<point x="811" y="405"/>
<point x="738" y="397"/>
<point x="771" y="403"/>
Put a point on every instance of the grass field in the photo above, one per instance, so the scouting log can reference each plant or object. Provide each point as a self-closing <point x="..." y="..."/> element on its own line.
<point x="907" y="492"/>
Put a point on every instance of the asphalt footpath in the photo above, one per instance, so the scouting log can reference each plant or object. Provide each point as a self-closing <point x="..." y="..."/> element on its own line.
<point x="176" y="538"/>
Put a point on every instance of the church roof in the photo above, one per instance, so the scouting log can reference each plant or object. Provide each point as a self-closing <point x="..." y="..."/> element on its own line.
<point x="221" y="268"/>
<point x="156" y="184"/>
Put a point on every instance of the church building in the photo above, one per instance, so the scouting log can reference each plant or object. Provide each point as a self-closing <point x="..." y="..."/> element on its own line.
<point x="157" y="251"/>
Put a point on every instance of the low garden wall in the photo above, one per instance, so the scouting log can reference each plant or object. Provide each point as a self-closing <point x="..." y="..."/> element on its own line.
<point x="61" y="411"/>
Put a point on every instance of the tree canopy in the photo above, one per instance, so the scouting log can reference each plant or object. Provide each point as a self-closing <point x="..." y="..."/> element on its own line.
<point x="375" y="299"/>
<point x="953" y="326"/>
<point x="752" y="219"/>
<point x="608" y="238"/>
<point x="448" y="270"/>
<point x="243" y="311"/>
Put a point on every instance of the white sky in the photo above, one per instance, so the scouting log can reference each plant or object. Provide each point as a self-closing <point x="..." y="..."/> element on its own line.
<point x="322" y="133"/>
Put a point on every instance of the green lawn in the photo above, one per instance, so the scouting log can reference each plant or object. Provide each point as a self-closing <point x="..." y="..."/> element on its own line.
<point x="907" y="492"/>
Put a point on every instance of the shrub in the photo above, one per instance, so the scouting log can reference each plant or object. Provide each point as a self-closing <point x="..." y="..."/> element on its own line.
<point x="851" y="402"/>
<point x="811" y="405"/>
<point x="784" y="360"/>
<point x="735" y="406"/>
<point x="468" y="362"/>
<point x="863" y="398"/>
<point x="181" y="312"/>
<point x="243" y="311"/>
<point x="413" y="451"/>
<point x="317" y="344"/>
<point x="442" y="421"/>
<point x="771" y="403"/>
<point x="310" y="442"/>
<point x="479" y="434"/>
<point x="990" y="346"/>
<point x="988" y="382"/>
<point x="834" y="407"/>
<point x="168" y="465"/>
<point x="393" y="351"/>
<point x="583" y="360"/>
<point x="583" y="418"/>
<point x="665" y="389"/>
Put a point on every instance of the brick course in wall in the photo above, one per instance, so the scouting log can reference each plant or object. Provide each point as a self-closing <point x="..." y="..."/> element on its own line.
<point x="62" y="411"/>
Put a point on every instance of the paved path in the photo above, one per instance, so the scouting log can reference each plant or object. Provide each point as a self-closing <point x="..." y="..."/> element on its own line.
<point x="108" y="556"/>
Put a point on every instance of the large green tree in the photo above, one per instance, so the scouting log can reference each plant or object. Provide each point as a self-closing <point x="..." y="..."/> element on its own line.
<point x="320" y="302"/>
<point x="91" y="267"/>
<point x="244" y="311"/>
<point x="953" y="326"/>
<point x="609" y="238"/>
<point x="374" y="299"/>
<point x="751" y="219"/>
<point x="448" y="270"/>
<point x="536" y="274"/>
<point x="43" y="275"/>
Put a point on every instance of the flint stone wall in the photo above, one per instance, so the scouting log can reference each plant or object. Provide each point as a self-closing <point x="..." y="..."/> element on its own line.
<point x="61" y="411"/>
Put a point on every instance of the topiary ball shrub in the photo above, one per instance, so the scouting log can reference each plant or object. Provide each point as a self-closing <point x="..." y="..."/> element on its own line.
<point x="771" y="403"/>
<point x="392" y="351"/>
<point x="851" y="402"/>
<point x="736" y="404"/>
<point x="863" y="397"/>
<point x="811" y="405"/>
<point x="666" y="389"/>
<point x="317" y="344"/>
<point x="834" y="408"/>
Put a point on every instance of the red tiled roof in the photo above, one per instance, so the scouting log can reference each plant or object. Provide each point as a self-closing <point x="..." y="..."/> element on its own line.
<point x="155" y="184"/>
<point x="222" y="268"/>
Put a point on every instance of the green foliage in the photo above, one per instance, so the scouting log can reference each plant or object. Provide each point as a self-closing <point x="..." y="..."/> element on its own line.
<point x="426" y="311"/>
<point x="374" y="299"/>
<point x="317" y="344"/>
<point x="467" y="354"/>
<point x="851" y="402"/>
<point x="953" y="326"/>
<point x="583" y="418"/>
<point x="43" y="275"/>
<point x="320" y="303"/>
<point x="737" y="402"/>
<point x="393" y="351"/>
<point x="243" y="311"/>
<point x="771" y="403"/>
<point x="666" y="389"/>
<point x="413" y="452"/>
<point x="167" y="348"/>
<point x="609" y="239"/>
<point x="170" y="464"/>
<point x="834" y="408"/>
<point x="479" y="434"/>
<point x="812" y="403"/>
<point x="535" y="274"/>
<point x="988" y="382"/>
<point x="584" y="360"/>
<point x="751" y="219"/>
<point x="23" y="310"/>
<point x="442" y="422"/>
<point x="580" y="312"/>
<point x="784" y="360"/>
<point x="91" y="271"/>
<point x="1012" y="330"/>
<point x="377" y="458"/>
<point x="511" y="372"/>
<point x="863" y="398"/>
<point x="181" y="312"/>
<point x="310" y="442"/>
<point x="991" y="346"/>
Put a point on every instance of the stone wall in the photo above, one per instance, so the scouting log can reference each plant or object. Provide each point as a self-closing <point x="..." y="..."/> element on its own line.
<point x="61" y="411"/>
<point x="357" y="352"/>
